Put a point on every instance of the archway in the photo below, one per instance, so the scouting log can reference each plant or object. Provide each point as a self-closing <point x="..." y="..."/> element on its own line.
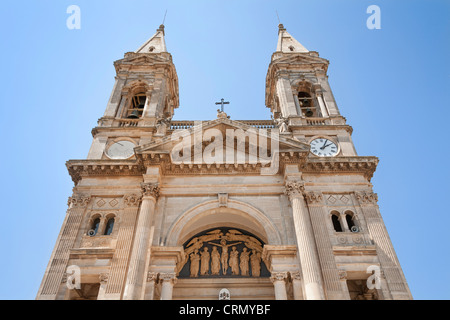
<point x="236" y="224"/>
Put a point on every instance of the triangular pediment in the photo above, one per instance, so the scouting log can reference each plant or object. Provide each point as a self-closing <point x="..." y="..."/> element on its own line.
<point x="223" y="142"/>
<point x="222" y="126"/>
<point x="298" y="58"/>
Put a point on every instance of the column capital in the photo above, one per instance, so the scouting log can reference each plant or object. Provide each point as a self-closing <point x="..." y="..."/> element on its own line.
<point x="313" y="197"/>
<point x="278" y="276"/>
<point x="152" y="276"/>
<point x="296" y="276"/>
<point x="132" y="200"/>
<point x="103" y="277"/>
<point x="294" y="189"/>
<point x="168" y="277"/>
<point x="150" y="190"/>
<point x="366" y="198"/>
<point x="77" y="200"/>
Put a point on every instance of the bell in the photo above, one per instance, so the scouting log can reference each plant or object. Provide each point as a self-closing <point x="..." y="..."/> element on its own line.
<point x="305" y="103"/>
<point x="309" y="112"/>
<point x="134" y="115"/>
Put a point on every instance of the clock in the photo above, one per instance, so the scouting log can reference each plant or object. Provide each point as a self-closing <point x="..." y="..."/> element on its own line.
<point x="121" y="150"/>
<point x="324" y="147"/>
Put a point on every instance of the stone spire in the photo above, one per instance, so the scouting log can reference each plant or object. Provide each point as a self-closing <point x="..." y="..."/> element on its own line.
<point x="156" y="44"/>
<point x="287" y="43"/>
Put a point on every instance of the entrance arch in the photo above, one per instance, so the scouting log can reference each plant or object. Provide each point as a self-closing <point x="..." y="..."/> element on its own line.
<point x="209" y="215"/>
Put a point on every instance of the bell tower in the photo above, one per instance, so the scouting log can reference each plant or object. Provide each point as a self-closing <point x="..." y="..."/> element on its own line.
<point x="296" y="84"/>
<point x="144" y="96"/>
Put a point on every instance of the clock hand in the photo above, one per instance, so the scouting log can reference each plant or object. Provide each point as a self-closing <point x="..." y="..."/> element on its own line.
<point x="323" y="147"/>
<point x="328" y="145"/>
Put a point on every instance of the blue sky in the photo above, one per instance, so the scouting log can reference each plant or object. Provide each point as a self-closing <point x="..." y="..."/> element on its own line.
<point x="391" y="84"/>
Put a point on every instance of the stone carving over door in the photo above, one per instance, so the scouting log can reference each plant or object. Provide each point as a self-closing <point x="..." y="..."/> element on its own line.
<point x="223" y="252"/>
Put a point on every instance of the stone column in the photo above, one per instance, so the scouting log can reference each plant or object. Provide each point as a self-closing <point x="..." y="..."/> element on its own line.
<point x="296" y="278"/>
<point x="343" y="283"/>
<point x="279" y="282"/>
<point x="136" y="269"/>
<point x="114" y="99"/>
<point x="56" y="270"/>
<point x="168" y="281"/>
<point x="323" y="108"/>
<point x="309" y="260"/>
<point x="103" y="278"/>
<point x="286" y="99"/>
<point x="152" y="277"/>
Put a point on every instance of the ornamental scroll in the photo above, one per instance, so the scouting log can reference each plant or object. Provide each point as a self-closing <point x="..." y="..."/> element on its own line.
<point x="223" y="252"/>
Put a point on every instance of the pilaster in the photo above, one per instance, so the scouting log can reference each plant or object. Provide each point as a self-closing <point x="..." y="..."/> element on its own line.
<point x="119" y="262"/>
<point x="330" y="272"/>
<point x="56" y="269"/>
<point x="388" y="259"/>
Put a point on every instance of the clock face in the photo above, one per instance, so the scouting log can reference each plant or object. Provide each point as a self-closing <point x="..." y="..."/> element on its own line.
<point x="121" y="150"/>
<point x="323" y="147"/>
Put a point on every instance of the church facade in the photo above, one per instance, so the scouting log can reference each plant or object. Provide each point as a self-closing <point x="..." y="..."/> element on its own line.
<point x="266" y="209"/>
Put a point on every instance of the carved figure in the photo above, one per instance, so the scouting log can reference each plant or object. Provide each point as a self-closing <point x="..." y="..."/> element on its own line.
<point x="205" y="261"/>
<point x="255" y="261"/>
<point x="244" y="259"/>
<point x="195" y="263"/>
<point x="234" y="261"/>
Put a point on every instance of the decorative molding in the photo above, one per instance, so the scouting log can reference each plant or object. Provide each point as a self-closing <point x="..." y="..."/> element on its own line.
<point x="84" y="168"/>
<point x="150" y="190"/>
<point x="132" y="200"/>
<point x="339" y="165"/>
<point x="294" y="189"/>
<point x="296" y="275"/>
<point x="342" y="274"/>
<point x="278" y="276"/>
<point x="223" y="199"/>
<point x="313" y="197"/>
<point x="103" y="278"/>
<point x="152" y="276"/>
<point x="171" y="276"/>
<point x="365" y="197"/>
<point x="78" y="201"/>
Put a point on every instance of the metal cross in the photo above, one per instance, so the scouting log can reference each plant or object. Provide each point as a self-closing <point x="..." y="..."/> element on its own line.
<point x="222" y="102"/>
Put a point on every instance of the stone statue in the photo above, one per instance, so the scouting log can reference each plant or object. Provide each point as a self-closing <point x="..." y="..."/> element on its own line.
<point x="244" y="259"/>
<point x="195" y="261"/>
<point x="204" y="270"/>
<point x="255" y="261"/>
<point x="162" y="124"/>
<point x="215" y="261"/>
<point x="234" y="261"/>
<point x="224" y="257"/>
<point x="281" y="124"/>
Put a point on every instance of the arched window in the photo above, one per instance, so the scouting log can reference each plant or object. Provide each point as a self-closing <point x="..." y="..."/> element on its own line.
<point x="306" y="103"/>
<point x="109" y="226"/>
<point x="349" y="217"/>
<point x="336" y="223"/>
<point x="137" y="106"/>
<point x="94" y="227"/>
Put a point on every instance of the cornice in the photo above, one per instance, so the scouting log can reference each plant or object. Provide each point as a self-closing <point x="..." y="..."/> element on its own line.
<point x="359" y="165"/>
<point x="82" y="168"/>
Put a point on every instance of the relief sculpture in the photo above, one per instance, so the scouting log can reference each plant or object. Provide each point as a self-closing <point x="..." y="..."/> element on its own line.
<point x="222" y="252"/>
